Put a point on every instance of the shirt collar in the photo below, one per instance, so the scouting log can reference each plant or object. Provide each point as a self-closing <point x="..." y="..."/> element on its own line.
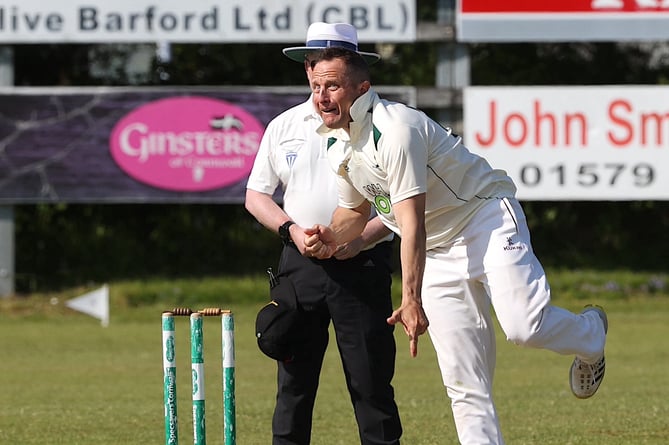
<point x="309" y="110"/>
<point x="361" y="106"/>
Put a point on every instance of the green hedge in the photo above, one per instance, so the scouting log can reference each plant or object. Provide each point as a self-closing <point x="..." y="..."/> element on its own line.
<point x="60" y="246"/>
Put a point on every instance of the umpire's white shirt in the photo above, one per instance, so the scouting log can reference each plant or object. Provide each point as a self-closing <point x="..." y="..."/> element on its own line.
<point x="292" y="155"/>
<point x="394" y="152"/>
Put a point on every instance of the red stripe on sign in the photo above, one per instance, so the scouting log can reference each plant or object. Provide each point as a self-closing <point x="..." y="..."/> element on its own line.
<point x="563" y="6"/>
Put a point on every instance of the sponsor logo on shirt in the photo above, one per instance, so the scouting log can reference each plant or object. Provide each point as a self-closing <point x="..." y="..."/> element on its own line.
<point x="511" y="245"/>
<point x="380" y="198"/>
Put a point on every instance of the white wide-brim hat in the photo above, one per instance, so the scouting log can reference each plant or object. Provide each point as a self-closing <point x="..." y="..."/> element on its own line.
<point x="324" y="35"/>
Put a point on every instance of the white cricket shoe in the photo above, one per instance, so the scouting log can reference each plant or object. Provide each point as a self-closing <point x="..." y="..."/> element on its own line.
<point x="585" y="378"/>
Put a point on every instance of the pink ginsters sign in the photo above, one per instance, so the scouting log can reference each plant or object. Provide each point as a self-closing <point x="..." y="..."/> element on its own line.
<point x="186" y="143"/>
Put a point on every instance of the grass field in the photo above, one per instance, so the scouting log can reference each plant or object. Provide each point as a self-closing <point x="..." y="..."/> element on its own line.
<point x="67" y="380"/>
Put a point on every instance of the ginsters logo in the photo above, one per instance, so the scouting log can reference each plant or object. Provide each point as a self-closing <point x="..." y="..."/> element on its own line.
<point x="187" y="143"/>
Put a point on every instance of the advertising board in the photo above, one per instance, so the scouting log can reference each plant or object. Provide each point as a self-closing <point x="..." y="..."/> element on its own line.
<point x="562" y="20"/>
<point x="574" y="143"/>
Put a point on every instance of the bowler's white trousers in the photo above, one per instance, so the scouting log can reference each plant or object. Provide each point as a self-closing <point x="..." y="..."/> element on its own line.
<point x="492" y="262"/>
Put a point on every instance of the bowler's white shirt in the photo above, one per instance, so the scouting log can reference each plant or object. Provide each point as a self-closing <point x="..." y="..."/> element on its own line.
<point x="403" y="153"/>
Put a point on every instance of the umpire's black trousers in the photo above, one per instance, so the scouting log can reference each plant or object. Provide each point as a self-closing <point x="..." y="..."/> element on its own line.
<point x="355" y="295"/>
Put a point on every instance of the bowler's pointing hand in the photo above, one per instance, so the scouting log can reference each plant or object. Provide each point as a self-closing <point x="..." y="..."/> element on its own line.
<point x="412" y="317"/>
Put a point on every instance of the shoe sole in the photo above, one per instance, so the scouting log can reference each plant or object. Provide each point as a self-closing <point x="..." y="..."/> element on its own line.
<point x="602" y="315"/>
<point x="585" y="396"/>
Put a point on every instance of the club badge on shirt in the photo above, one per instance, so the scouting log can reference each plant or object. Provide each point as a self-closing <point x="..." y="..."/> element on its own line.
<point x="290" y="158"/>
